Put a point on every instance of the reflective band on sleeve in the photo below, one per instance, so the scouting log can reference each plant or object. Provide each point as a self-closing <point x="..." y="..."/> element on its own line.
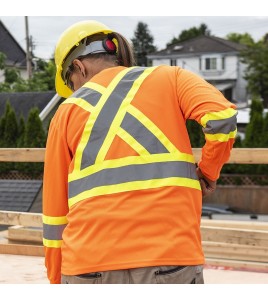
<point x="54" y="220"/>
<point x="224" y="126"/>
<point x="218" y="115"/>
<point x="221" y="137"/>
<point x="131" y="173"/>
<point x="53" y="232"/>
<point x="140" y="133"/>
<point x="52" y="244"/>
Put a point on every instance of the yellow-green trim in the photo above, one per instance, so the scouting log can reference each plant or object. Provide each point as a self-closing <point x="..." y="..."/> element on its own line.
<point x="221" y="137"/>
<point x="93" y="116"/>
<point x="52" y="243"/>
<point x="121" y="114"/>
<point x="131" y="160"/>
<point x="135" y="185"/>
<point x="218" y="115"/>
<point x="125" y="136"/>
<point x="54" y="220"/>
<point x="79" y="102"/>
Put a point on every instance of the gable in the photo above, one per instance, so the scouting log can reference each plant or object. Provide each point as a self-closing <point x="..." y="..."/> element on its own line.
<point x="16" y="56"/>
<point x="22" y="103"/>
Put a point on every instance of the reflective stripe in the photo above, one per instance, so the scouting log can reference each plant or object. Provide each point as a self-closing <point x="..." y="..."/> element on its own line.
<point x="52" y="244"/>
<point x="140" y="133"/>
<point x="106" y="116"/>
<point x="221" y="137"/>
<point x="160" y="163"/>
<point x="218" y="115"/>
<point x="142" y="74"/>
<point x="152" y="128"/>
<point x="53" y="232"/>
<point x="220" y="126"/>
<point x="54" y="220"/>
<point x="125" y="136"/>
<point x="131" y="173"/>
<point x="131" y="160"/>
<point x="87" y="94"/>
<point x="134" y="186"/>
<point x="79" y="102"/>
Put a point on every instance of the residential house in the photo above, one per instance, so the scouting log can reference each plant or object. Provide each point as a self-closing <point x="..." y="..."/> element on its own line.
<point x="215" y="59"/>
<point x="15" y="55"/>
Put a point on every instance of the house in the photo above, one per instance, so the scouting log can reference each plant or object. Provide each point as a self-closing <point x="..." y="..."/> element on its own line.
<point x="215" y="59"/>
<point x="23" y="102"/>
<point x="15" y="55"/>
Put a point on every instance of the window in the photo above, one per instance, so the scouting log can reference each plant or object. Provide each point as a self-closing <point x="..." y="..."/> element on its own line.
<point x="173" y="62"/>
<point x="223" y="63"/>
<point x="211" y="63"/>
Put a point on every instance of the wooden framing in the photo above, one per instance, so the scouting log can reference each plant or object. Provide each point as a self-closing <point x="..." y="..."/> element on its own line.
<point x="19" y="218"/>
<point x="238" y="155"/>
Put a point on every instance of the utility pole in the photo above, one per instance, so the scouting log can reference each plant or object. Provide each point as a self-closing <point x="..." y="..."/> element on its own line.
<point x="28" y="52"/>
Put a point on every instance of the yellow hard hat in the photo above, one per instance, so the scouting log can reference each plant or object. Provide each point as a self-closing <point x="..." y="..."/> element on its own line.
<point x="70" y="38"/>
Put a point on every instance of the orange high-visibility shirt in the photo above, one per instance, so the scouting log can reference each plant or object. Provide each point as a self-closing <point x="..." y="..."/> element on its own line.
<point x="138" y="221"/>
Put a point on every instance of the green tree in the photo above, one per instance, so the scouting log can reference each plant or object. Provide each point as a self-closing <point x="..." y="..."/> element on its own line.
<point x="142" y="44"/>
<point x="255" y="57"/>
<point x="196" y="134"/>
<point x="191" y="33"/>
<point x="34" y="138"/>
<point x="9" y="134"/>
<point x="255" y="126"/>
<point x="42" y="79"/>
<point x="244" y="39"/>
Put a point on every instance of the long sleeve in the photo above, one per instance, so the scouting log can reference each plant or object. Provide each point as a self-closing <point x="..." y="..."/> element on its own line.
<point x="202" y="102"/>
<point x="55" y="198"/>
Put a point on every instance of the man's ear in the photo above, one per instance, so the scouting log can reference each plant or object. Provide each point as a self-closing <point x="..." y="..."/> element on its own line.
<point x="80" y="66"/>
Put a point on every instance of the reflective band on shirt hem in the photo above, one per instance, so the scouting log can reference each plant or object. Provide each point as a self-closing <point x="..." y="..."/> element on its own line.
<point x="137" y="185"/>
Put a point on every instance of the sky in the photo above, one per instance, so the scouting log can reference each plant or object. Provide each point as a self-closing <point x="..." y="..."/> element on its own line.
<point x="164" y="21"/>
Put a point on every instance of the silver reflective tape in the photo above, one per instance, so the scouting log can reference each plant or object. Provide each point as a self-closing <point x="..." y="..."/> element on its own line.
<point x="140" y="133"/>
<point x="106" y="116"/>
<point x="221" y="126"/>
<point x="53" y="232"/>
<point x="87" y="94"/>
<point x="132" y="173"/>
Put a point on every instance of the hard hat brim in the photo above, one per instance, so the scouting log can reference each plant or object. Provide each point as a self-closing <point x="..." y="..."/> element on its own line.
<point x="61" y="88"/>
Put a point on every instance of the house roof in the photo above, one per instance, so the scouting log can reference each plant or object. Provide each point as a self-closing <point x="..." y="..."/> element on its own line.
<point x="19" y="195"/>
<point x="16" y="56"/>
<point x="23" y="102"/>
<point x="200" y="45"/>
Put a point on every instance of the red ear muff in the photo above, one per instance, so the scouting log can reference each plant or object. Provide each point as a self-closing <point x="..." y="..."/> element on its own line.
<point x="109" y="46"/>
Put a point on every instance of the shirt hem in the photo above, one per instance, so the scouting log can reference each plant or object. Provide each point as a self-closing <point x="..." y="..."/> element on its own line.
<point x="133" y="265"/>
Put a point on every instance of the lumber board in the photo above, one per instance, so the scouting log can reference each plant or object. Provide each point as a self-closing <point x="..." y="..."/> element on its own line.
<point x="22" y="154"/>
<point x="20" y="218"/>
<point x="250" y="225"/>
<point x="18" y="249"/>
<point x="238" y="264"/>
<point x="25" y="234"/>
<point x="235" y="236"/>
<point x="238" y="155"/>
<point x="233" y="251"/>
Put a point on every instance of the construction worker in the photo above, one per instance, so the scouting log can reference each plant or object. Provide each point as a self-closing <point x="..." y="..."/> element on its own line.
<point x="122" y="195"/>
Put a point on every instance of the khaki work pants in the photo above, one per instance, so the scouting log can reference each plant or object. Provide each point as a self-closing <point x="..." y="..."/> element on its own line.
<point x="148" y="275"/>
